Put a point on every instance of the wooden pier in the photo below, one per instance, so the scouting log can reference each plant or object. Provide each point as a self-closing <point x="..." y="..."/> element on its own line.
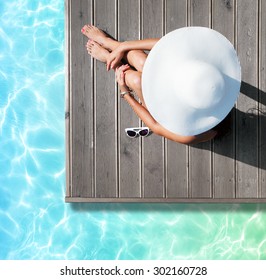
<point x="104" y="165"/>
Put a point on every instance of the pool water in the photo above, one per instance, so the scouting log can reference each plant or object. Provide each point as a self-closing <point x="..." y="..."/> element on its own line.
<point x="35" y="222"/>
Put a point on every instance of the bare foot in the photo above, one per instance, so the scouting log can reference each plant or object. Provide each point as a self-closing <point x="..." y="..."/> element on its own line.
<point x="97" y="51"/>
<point x="94" y="33"/>
<point x="97" y="35"/>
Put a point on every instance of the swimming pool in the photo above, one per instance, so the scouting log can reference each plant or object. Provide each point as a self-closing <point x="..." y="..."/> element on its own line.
<point x="35" y="223"/>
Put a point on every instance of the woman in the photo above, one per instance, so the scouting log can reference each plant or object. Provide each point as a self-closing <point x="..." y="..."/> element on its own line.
<point x="128" y="76"/>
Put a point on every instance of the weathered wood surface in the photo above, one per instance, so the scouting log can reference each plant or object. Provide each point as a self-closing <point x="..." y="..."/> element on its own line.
<point x="223" y="19"/>
<point x="153" y="164"/>
<point x="262" y="99"/>
<point x="129" y="149"/>
<point x="176" y="155"/>
<point x="200" y="165"/>
<point x="247" y="124"/>
<point x="81" y="96"/>
<point x="106" y="161"/>
<point x="103" y="165"/>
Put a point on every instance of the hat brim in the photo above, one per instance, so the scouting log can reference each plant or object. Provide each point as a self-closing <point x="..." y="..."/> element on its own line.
<point x="165" y="61"/>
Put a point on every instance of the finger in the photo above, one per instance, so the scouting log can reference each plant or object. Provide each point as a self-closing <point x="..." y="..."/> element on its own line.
<point x="108" y="65"/>
<point x="117" y="72"/>
<point x="114" y="63"/>
<point x="126" y="66"/>
<point x="125" y="69"/>
<point x="123" y="66"/>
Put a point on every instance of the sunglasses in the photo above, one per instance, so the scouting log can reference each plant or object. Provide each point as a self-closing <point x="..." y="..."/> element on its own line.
<point x="134" y="132"/>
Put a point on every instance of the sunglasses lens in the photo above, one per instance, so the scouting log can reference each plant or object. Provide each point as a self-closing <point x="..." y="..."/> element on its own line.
<point x="131" y="133"/>
<point x="144" y="132"/>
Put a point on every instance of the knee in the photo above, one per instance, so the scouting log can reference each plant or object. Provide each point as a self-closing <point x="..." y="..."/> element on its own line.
<point x="137" y="59"/>
<point x="141" y="63"/>
<point x="134" y="80"/>
<point x="137" y="81"/>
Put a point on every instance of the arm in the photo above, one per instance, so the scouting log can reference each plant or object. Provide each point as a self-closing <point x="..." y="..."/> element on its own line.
<point x="147" y="118"/>
<point x="117" y="54"/>
<point x="146" y="44"/>
<point x="141" y="112"/>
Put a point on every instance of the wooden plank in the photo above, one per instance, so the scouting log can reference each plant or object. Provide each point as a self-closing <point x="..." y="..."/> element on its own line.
<point x="105" y="110"/>
<point x="176" y="14"/>
<point x="130" y="175"/>
<point x="200" y="12"/>
<point x="153" y="146"/>
<point x="262" y="92"/>
<point x="247" y="124"/>
<point x="68" y="140"/>
<point x="176" y="154"/>
<point x="200" y="173"/>
<point x="165" y="200"/>
<point x="224" y="148"/>
<point x="81" y="114"/>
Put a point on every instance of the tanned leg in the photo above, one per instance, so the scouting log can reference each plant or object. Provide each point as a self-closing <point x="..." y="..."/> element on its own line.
<point x="133" y="78"/>
<point x="98" y="47"/>
<point x="135" y="58"/>
<point x="133" y="81"/>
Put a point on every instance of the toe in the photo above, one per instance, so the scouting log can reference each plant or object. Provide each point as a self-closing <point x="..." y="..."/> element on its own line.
<point x="84" y="28"/>
<point x="90" y="42"/>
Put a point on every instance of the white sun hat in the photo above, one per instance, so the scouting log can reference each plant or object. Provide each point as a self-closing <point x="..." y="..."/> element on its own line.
<point x="191" y="80"/>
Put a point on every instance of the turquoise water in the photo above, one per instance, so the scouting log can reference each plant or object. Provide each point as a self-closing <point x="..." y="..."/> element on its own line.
<point x="35" y="223"/>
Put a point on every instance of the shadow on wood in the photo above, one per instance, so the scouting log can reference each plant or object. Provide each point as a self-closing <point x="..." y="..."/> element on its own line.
<point x="251" y="121"/>
<point x="254" y="93"/>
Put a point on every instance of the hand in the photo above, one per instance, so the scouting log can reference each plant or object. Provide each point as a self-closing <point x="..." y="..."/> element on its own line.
<point x="120" y="77"/>
<point x="114" y="58"/>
